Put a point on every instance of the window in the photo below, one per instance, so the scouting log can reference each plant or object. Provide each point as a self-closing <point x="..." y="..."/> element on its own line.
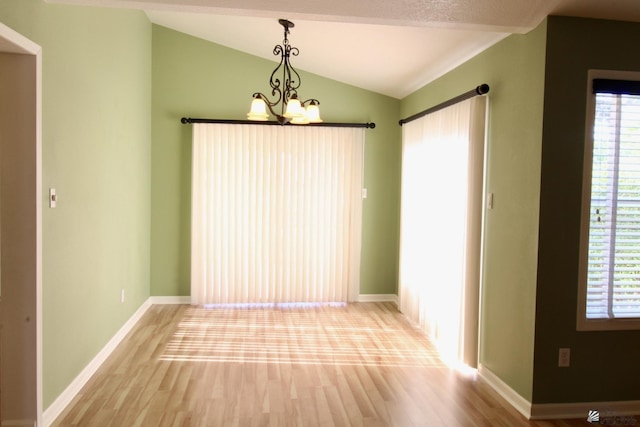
<point x="610" y="258"/>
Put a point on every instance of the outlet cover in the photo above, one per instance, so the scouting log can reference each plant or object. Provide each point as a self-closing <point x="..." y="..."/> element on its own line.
<point x="564" y="357"/>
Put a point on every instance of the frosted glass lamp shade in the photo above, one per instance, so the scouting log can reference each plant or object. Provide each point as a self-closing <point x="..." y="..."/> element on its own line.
<point x="313" y="113"/>
<point x="258" y="110"/>
<point x="294" y="109"/>
<point x="301" y="120"/>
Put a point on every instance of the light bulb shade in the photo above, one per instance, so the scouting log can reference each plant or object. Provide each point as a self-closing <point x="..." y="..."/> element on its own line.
<point x="302" y="120"/>
<point x="294" y="109"/>
<point x="258" y="110"/>
<point x="313" y="113"/>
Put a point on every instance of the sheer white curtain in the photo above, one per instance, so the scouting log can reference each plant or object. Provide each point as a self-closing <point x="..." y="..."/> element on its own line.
<point x="441" y="222"/>
<point x="276" y="213"/>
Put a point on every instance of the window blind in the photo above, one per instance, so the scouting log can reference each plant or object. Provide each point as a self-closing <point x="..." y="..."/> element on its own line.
<point x="613" y="277"/>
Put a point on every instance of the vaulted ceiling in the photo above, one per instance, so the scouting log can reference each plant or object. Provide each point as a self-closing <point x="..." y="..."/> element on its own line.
<point x="389" y="47"/>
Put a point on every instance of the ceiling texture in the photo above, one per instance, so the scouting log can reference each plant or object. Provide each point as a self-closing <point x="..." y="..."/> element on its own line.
<point x="392" y="47"/>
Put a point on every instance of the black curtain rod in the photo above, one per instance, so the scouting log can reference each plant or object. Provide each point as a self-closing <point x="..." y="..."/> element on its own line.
<point x="483" y="89"/>
<point x="187" y="120"/>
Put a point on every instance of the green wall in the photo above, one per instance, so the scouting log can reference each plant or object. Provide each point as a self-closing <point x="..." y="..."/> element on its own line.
<point x="196" y="78"/>
<point x="96" y="151"/>
<point x="604" y="365"/>
<point x="514" y="69"/>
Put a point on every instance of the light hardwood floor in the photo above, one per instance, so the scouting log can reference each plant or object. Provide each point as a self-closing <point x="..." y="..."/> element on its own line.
<point x="360" y="365"/>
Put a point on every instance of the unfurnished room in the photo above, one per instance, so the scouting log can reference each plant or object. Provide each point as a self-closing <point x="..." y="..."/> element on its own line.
<point x="368" y="213"/>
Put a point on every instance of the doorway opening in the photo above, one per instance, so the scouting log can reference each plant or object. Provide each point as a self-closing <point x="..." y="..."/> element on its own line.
<point x="20" y="230"/>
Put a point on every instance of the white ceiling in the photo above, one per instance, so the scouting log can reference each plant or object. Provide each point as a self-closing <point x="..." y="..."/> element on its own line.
<point x="392" y="47"/>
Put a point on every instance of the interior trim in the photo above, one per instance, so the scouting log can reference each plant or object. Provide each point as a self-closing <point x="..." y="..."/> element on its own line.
<point x="61" y="402"/>
<point x="521" y="404"/>
<point x="554" y="411"/>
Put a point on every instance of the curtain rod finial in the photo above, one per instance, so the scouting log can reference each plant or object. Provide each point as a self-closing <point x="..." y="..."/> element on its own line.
<point x="482" y="89"/>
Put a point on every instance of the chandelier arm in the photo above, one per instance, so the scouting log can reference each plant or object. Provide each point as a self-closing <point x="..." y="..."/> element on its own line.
<point x="310" y="100"/>
<point x="274" y="81"/>
<point x="291" y="76"/>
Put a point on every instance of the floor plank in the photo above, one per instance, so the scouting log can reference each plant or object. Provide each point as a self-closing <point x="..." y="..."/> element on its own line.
<point x="358" y="365"/>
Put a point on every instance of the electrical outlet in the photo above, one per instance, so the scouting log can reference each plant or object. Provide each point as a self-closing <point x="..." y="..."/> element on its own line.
<point x="122" y="295"/>
<point x="564" y="357"/>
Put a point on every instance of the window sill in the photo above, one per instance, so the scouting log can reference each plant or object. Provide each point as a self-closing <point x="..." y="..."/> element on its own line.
<point x="608" y="324"/>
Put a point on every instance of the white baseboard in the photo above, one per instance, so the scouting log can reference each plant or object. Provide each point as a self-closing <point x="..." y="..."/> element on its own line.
<point x="58" y="405"/>
<point x="361" y="298"/>
<point x="18" y="423"/>
<point x="378" y="298"/>
<point x="521" y="404"/>
<point x="170" y="300"/>
<point x="556" y="411"/>
<point x="551" y="411"/>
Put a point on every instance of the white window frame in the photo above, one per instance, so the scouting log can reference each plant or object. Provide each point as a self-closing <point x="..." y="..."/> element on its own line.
<point x="583" y="323"/>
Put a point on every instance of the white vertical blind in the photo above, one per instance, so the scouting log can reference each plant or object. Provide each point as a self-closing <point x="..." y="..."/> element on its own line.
<point x="441" y="222"/>
<point x="276" y="213"/>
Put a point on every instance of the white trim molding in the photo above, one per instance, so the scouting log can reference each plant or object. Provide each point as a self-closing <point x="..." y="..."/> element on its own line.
<point x="19" y="423"/>
<point x="378" y="298"/>
<point x="521" y="404"/>
<point x="187" y="299"/>
<point x="555" y="411"/>
<point x="58" y="405"/>
<point x="170" y="300"/>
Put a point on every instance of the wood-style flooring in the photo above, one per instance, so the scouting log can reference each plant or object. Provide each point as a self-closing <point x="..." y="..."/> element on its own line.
<point x="360" y="364"/>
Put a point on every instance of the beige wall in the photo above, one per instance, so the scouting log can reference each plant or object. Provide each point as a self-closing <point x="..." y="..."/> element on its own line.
<point x="18" y="231"/>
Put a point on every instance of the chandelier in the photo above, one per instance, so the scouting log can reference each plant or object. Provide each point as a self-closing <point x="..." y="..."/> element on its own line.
<point x="285" y="90"/>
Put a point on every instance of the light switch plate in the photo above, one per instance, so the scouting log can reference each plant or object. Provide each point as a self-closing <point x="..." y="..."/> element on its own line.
<point x="52" y="198"/>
